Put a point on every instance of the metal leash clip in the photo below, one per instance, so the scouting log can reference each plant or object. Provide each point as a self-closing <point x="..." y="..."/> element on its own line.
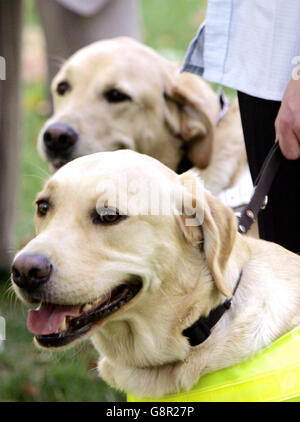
<point x="265" y="203"/>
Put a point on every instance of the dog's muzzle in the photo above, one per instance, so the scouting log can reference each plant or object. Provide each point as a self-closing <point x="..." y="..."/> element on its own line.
<point x="59" y="142"/>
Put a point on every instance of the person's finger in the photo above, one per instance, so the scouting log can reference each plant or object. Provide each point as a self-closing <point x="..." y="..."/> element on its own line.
<point x="289" y="144"/>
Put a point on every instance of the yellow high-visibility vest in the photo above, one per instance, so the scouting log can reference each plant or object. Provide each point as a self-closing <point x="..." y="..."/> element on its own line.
<point x="271" y="375"/>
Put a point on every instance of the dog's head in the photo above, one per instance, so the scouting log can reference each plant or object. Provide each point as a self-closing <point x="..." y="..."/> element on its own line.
<point x="125" y="244"/>
<point x="119" y="94"/>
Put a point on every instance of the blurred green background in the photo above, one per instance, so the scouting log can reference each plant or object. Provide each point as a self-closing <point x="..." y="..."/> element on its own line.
<point x="27" y="374"/>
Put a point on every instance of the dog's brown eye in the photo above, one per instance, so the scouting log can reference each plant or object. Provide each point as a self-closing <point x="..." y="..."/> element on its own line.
<point x="116" y="96"/>
<point x="42" y="208"/>
<point x="107" y="216"/>
<point x="110" y="218"/>
<point x="62" y="88"/>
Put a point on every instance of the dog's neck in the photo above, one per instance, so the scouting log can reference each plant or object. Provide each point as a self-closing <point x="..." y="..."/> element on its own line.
<point x="260" y="313"/>
<point x="146" y="354"/>
<point x="148" y="339"/>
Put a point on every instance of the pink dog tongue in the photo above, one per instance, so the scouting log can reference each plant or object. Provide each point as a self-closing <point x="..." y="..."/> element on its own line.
<point x="47" y="319"/>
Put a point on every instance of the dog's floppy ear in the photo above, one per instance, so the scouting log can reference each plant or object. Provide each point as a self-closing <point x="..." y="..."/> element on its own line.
<point x="220" y="230"/>
<point x="215" y="230"/>
<point x="191" y="112"/>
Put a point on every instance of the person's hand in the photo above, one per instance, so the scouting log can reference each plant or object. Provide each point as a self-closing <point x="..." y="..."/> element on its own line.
<point x="287" y="122"/>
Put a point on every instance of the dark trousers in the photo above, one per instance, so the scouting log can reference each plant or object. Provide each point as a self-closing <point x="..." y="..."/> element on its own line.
<point x="279" y="222"/>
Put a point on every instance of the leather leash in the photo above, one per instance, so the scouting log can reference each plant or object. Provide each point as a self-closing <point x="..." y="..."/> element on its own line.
<point x="262" y="186"/>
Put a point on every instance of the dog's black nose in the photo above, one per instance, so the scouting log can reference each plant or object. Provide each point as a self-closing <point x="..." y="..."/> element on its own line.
<point x="59" y="138"/>
<point x="30" y="271"/>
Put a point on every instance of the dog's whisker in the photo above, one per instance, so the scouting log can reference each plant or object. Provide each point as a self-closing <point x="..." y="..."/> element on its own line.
<point x="57" y="60"/>
<point x="41" y="172"/>
<point x="11" y="249"/>
<point x="6" y="280"/>
<point x="35" y="176"/>
<point x="8" y="294"/>
<point x="11" y="298"/>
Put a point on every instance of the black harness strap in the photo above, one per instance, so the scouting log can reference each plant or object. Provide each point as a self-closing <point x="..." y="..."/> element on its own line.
<point x="201" y="329"/>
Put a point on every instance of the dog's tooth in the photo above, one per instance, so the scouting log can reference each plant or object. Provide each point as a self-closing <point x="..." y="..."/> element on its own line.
<point x="87" y="307"/>
<point x="63" y="325"/>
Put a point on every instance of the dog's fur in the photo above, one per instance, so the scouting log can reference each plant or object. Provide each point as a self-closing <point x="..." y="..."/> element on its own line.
<point x="186" y="271"/>
<point x="169" y="112"/>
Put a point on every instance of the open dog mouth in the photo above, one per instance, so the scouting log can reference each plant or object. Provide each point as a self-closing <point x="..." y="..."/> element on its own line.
<point x="59" y="325"/>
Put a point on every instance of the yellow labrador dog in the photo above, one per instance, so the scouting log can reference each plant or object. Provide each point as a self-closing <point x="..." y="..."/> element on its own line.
<point x="120" y="94"/>
<point x="131" y="254"/>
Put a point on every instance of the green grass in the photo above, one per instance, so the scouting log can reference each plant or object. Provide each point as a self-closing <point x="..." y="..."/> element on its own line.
<point x="34" y="171"/>
<point x="170" y="25"/>
<point x="27" y="374"/>
<point x="30" y="13"/>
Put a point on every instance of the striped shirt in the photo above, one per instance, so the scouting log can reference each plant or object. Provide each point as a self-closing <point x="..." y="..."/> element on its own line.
<point x="252" y="46"/>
